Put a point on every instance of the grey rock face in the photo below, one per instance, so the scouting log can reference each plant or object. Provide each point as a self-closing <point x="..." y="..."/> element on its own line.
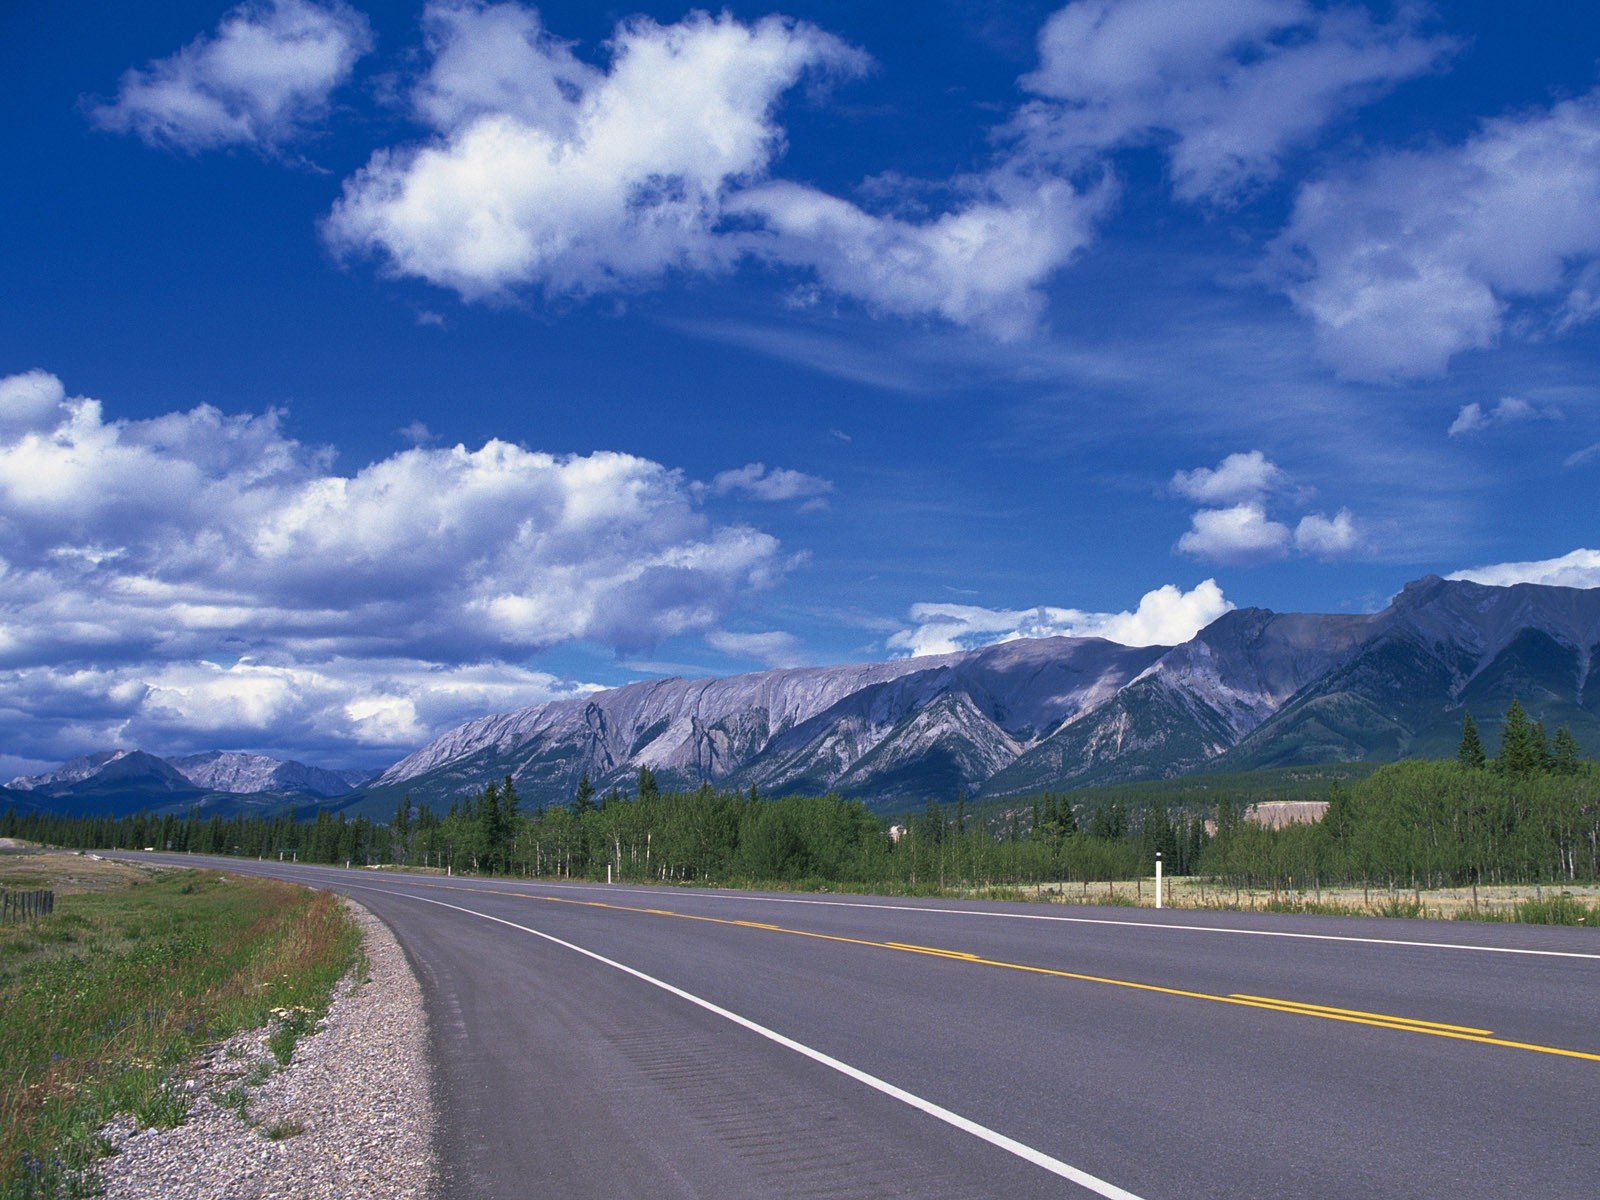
<point x="226" y="771"/>
<point x="1253" y="688"/>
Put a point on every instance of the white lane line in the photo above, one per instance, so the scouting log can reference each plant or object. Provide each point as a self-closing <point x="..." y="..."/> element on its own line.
<point x="662" y="893"/>
<point x="1010" y="1145"/>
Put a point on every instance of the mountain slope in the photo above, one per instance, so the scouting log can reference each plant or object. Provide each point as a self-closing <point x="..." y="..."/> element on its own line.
<point x="226" y="771"/>
<point x="1255" y="688"/>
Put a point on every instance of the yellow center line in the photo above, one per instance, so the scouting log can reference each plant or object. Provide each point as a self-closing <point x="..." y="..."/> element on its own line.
<point x="1462" y="1033"/>
<point x="934" y="950"/>
<point x="1319" y="1009"/>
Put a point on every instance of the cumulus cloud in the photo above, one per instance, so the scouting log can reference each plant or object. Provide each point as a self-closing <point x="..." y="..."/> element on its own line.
<point x="196" y="537"/>
<point x="1236" y="479"/>
<point x="497" y="58"/>
<point x="981" y="264"/>
<point x="571" y="180"/>
<point x="1241" y="533"/>
<point x="261" y="79"/>
<point x="369" y="709"/>
<point x="1165" y="616"/>
<point x="552" y="175"/>
<point x="1413" y="257"/>
<point x="1327" y="537"/>
<point x="1579" y="569"/>
<point x="774" y="649"/>
<point x="1474" y="418"/>
<point x="1226" y="87"/>
<point x="1235" y="526"/>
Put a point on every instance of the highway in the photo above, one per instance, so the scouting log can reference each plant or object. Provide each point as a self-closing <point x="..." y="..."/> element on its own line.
<point x="620" y="1041"/>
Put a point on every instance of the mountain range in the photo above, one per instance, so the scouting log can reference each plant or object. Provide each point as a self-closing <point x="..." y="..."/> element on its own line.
<point x="1253" y="689"/>
<point x="115" y="782"/>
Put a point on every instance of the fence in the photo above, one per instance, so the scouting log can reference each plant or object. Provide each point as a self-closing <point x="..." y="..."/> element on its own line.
<point x="26" y="906"/>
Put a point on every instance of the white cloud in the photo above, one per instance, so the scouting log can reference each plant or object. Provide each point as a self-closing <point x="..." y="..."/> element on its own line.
<point x="197" y="537"/>
<point x="774" y="649"/>
<point x="1474" y="418"/>
<point x="1165" y="616"/>
<point x="29" y="400"/>
<point x="761" y="482"/>
<point x="1241" y="533"/>
<point x="1327" y="537"/>
<point x="1578" y="457"/>
<point x="1579" y="569"/>
<point x="1236" y="479"/>
<point x="981" y="264"/>
<point x="1413" y="257"/>
<point x="1235" y="526"/>
<point x="339" y="711"/>
<point x="589" y="182"/>
<point x="497" y="58"/>
<point x="1227" y="87"/>
<point x="552" y="175"/>
<point x="260" y="79"/>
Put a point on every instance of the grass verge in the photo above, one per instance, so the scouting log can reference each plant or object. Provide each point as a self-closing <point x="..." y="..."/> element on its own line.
<point x="102" y="1005"/>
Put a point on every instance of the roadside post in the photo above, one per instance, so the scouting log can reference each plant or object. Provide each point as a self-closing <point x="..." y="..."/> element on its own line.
<point x="1158" y="879"/>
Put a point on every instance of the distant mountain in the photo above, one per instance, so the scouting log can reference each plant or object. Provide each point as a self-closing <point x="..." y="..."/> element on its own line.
<point x="116" y="782"/>
<point x="1253" y="689"/>
<point x="226" y="771"/>
<point x="67" y="773"/>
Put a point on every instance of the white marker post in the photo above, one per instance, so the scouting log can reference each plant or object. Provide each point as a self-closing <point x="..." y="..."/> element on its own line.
<point x="1158" y="879"/>
<point x="608" y="872"/>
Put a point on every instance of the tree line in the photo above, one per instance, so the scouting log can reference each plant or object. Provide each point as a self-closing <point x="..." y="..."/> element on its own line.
<point x="705" y="836"/>
<point x="1530" y="814"/>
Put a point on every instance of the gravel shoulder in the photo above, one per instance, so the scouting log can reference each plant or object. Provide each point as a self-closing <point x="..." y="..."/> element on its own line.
<point x="352" y="1115"/>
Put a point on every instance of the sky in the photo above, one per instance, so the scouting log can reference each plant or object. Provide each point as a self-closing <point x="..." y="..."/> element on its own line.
<point x="365" y="368"/>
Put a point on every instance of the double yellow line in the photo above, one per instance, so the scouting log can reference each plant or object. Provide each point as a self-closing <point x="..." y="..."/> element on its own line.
<point x="1462" y="1033"/>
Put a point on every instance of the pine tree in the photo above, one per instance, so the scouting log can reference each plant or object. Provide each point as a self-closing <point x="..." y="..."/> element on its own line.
<point x="1470" y="755"/>
<point x="1519" y="752"/>
<point x="1564" y="759"/>
<point x="647" y="784"/>
<point x="583" y="798"/>
<point x="1541" y="748"/>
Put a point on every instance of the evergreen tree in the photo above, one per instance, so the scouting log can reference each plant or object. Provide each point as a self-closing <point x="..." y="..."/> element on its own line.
<point x="1541" y="748"/>
<point x="1519" y="751"/>
<point x="1118" y="819"/>
<point x="583" y="798"/>
<point x="1470" y="755"/>
<point x="1564" y="759"/>
<point x="647" y="784"/>
<point x="489" y="840"/>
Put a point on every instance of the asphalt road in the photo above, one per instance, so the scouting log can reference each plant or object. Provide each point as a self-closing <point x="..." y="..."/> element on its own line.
<point x="621" y="1042"/>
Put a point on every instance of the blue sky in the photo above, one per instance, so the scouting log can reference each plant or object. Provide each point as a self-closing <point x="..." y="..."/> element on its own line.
<point x="370" y="367"/>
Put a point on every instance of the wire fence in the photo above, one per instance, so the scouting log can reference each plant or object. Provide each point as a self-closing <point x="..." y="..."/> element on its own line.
<point x="26" y="906"/>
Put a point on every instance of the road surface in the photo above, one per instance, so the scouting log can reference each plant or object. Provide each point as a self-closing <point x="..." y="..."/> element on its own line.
<point x="619" y="1041"/>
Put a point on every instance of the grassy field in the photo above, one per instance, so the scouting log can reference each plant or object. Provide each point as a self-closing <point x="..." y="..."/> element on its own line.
<point x="103" y="1004"/>
<point x="1577" y="904"/>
